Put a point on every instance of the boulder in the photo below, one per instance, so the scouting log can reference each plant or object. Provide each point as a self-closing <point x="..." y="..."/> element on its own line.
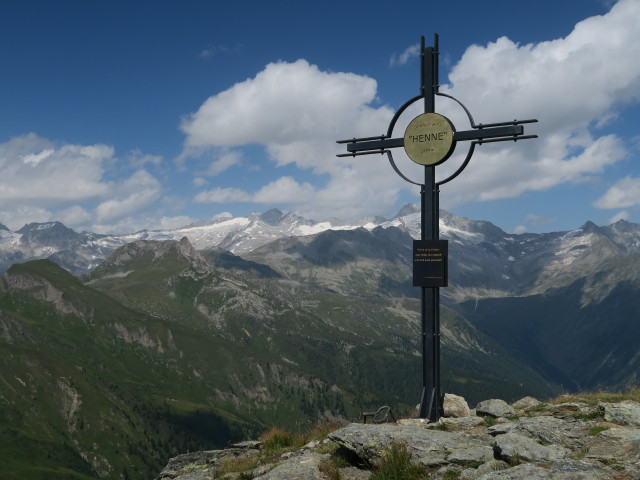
<point x="301" y="467"/>
<point x="562" y="470"/>
<point x="512" y="447"/>
<point x="495" y="408"/>
<point x="620" y="444"/>
<point x="427" y="447"/>
<point x="623" y="413"/>
<point x="455" y="406"/>
<point x="526" y="402"/>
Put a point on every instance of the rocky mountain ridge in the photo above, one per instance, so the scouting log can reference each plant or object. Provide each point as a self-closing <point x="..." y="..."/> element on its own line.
<point x="485" y="261"/>
<point x="581" y="439"/>
<point x="175" y="352"/>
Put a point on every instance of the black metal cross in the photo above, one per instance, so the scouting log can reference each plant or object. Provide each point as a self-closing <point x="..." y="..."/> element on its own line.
<point x="432" y="398"/>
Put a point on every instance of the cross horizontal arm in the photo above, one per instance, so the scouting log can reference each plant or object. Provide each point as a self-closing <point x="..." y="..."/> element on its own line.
<point x="370" y="144"/>
<point x="358" y="146"/>
<point x="493" y="132"/>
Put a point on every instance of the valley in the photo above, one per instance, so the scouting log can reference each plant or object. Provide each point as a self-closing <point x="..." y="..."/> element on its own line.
<point x="160" y="342"/>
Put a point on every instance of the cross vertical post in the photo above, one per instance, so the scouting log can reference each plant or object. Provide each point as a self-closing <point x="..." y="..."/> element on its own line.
<point x="430" y="403"/>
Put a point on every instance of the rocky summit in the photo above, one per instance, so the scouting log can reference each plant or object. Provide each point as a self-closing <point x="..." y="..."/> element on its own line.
<point x="576" y="440"/>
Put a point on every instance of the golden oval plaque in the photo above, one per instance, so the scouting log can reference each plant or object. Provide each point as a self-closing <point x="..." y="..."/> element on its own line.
<point x="428" y="139"/>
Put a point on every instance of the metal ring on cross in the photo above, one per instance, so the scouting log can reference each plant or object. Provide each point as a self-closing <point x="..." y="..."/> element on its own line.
<point x="429" y="139"/>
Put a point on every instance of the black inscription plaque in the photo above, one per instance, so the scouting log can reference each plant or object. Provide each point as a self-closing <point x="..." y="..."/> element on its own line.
<point x="430" y="263"/>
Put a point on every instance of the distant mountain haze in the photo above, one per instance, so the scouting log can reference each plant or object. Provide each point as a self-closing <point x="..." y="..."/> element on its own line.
<point x="190" y="338"/>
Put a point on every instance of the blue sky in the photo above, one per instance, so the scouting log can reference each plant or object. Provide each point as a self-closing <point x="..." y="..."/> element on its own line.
<point x="122" y="115"/>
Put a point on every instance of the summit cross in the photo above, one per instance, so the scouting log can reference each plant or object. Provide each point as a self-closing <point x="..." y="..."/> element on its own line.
<point x="429" y="140"/>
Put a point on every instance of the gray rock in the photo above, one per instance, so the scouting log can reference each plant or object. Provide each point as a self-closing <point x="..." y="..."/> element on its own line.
<point x="487" y="467"/>
<point x="455" y="406"/>
<point x="459" y="424"/>
<point x="353" y="473"/>
<point x="514" y="447"/>
<point x="301" y="467"/>
<point x="495" y="408"/>
<point x="204" y="460"/>
<point x="526" y="402"/>
<point x="527" y="471"/>
<point x="465" y="455"/>
<point x="552" y="430"/>
<point x="563" y="470"/>
<point x="558" y="443"/>
<point x="623" y="413"/>
<point x="501" y="428"/>
<point x="573" y="410"/>
<point x="621" y="444"/>
<point x="247" y="444"/>
<point x="427" y="447"/>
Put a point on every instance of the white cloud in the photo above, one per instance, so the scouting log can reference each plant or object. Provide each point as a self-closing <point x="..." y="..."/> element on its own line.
<point x="224" y="162"/>
<point x="573" y="85"/>
<point x="623" y="194"/>
<point x="410" y="52"/>
<point x="622" y="215"/>
<point x="199" y="182"/>
<point x="42" y="181"/>
<point x="171" y="223"/>
<point x="284" y="190"/>
<point x="16" y="217"/>
<point x="36" y="172"/>
<point x="286" y="102"/>
<point x="297" y="112"/>
<point x="139" y="159"/>
<point x="222" y="195"/>
<point x="133" y="195"/>
<point x="74" y="216"/>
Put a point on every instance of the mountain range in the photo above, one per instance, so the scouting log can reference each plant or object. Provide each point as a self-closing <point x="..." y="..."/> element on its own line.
<point x="191" y="338"/>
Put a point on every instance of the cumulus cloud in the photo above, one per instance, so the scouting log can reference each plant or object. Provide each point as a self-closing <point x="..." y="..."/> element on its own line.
<point x="224" y="162"/>
<point x="411" y="52"/>
<point x="42" y="181"/>
<point x="15" y="217"/>
<point x="74" y="216"/>
<point x="622" y="215"/>
<point x="574" y="85"/>
<point x="284" y="190"/>
<point x="284" y="103"/>
<point x="138" y="159"/>
<point x="37" y="172"/>
<point x="297" y="112"/>
<point x="222" y="195"/>
<point x="134" y="194"/>
<point x="623" y="194"/>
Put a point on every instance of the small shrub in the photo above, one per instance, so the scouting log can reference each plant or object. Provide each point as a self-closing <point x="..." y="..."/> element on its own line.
<point x="452" y="475"/>
<point x="319" y="431"/>
<point x="237" y="464"/>
<point x="592" y="399"/>
<point x="489" y="421"/>
<point x="396" y="465"/>
<point x="587" y="416"/>
<point x="276" y="441"/>
<point x="593" y="431"/>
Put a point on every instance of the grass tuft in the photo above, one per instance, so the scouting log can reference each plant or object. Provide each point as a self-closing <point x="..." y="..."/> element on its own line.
<point x="396" y="465"/>
<point x="593" y="431"/>
<point x="277" y="441"/>
<point x="633" y="394"/>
